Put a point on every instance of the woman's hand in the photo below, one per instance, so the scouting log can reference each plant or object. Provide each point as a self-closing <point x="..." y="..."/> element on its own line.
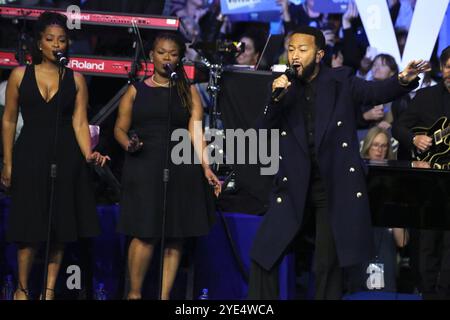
<point x="374" y="114"/>
<point x="284" y="4"/>
<point x="350" y="14"/>
<point x="97" y="159"/>
<point x="384" y="125"/>
<point x="134" y="144"/>
<point x="6" y="175"/>
<point x="213" y="180"/>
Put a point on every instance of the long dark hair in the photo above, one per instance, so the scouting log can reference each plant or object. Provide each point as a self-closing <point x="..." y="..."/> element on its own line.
<point x="47" y="19"/>
<point x="182" y="83"/>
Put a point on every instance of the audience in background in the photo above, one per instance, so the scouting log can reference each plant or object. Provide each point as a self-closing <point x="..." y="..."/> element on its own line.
<point x="300" y="15"/>
<point x="253" y="48"/>
<point x="383" y="67"/>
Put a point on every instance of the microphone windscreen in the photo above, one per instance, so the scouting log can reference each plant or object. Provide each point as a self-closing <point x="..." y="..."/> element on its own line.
<point x="290" y="73"/>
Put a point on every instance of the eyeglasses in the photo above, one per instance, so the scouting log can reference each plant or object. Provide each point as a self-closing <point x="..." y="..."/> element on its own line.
<point x="383" y="146"/>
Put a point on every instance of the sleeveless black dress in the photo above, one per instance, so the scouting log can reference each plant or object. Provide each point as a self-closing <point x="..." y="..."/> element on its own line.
<point x="74" y="213"/>
<point x="190" y="200"/>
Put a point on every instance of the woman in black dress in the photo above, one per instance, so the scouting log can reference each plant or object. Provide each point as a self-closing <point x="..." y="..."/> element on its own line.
<point x="27" y="163"/>
<point x="190" y="209"/>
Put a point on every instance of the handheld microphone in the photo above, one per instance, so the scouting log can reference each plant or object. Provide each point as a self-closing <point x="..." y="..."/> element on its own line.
<point x="61" y="58"/>
<point x="279" y="93"/>
<point x="171" y="71"/>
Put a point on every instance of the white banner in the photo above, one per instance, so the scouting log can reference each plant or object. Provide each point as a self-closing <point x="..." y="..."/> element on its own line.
<point x="426" y="22"/>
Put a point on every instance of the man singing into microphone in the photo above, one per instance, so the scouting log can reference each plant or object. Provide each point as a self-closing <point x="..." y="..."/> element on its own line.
<point x="321" y="175"/>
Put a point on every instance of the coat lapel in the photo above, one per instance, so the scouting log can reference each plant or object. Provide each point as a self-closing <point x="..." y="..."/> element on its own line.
<point x="294" y="117"/>
<point x="325" y="103"/>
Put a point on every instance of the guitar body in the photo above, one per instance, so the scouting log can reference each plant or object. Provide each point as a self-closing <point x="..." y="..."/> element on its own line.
<point x="439" y="152"/>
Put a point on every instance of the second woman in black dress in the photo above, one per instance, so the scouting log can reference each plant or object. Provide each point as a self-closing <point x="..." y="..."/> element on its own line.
<point x="144" y="110"/>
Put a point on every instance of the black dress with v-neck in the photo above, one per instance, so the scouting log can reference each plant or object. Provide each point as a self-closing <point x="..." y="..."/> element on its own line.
<point x="74" y="213"/>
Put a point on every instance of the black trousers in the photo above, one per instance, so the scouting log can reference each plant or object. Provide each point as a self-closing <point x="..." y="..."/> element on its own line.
<point x="264" y="284"/>
<point x="434" y="263"/>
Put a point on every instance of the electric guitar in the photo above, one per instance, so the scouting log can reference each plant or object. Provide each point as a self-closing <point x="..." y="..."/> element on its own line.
<point x="438" y="155"/>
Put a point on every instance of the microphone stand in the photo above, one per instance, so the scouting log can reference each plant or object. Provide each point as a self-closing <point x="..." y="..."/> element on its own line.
<point x="53" y="176"/>
<point x="21" y="43"/>
<point x="215" y="74"/>
<point x="139" y="51"/>
<point x="112" y="105"/>
<point x="166" y="178"/>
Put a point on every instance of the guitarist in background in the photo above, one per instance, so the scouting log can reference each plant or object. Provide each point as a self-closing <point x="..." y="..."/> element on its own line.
<point x="434" y="246"/>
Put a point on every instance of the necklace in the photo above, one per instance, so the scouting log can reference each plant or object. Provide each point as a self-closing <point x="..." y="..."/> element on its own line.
<point x="160" y="84"/>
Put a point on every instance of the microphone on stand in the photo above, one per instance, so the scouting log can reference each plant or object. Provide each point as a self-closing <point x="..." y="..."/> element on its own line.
<point x="61" y="58"/>
<point x="279" y="93"/>
<point x="171" y="71"/>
